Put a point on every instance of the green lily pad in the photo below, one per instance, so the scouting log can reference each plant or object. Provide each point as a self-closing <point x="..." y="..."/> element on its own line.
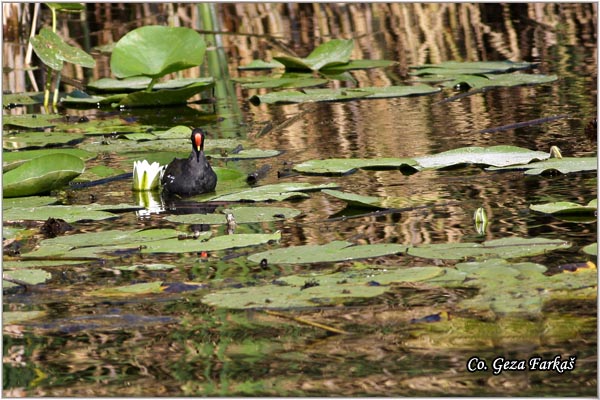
<point x="310" y="290"/>
<point x="70" y="214"/>
<point x="28" y="276"/>
<point x="501" y="248"/>
<point x="275" y="192"/>
<point x="14" y="317"/>
<point x="25" y="264"/>
<point x="12" y="159"/>
<point x="284" y="81"/>
<point x="241" y="215"/>
<point x="591" y="249"/>
<point x="331" y="252"/>
<point x="498" y="156"/>
<point x="331" y="53"/>
<point x="260" y="64"/>
<point x="563" y="165"/>
<point x="510" y="288"/>
<point x="345" y="166"/>
<point x="41" y="174"/>
<point x="317" y="95"/>
<point x="22" y="99"/>
<point x="86" y="99"/>
<point x="165" y="97"/>
<point x="110" y="237"/>
<point x="504" y="80"/>
<point x="155" y="51"/>
<point x="52" y="50"/>
<point x="477" y="67"/>
<point x="247" y="154"/>
<point x="24" y="140"/>
<point x="566" y="207"/>
<point x="32" y="120"/>
<point x="141" y="82"/>
<point x="31" y="201"/>
<point x="217" y="243"/>
<point x="356" y="64"/>
<point x="129" y="290"/>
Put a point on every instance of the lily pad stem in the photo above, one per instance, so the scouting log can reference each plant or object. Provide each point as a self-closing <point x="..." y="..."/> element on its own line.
<point x="151" y="85"/>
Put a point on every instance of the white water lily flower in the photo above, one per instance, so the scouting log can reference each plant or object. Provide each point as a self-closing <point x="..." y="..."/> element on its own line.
<point x="146" y="176"/>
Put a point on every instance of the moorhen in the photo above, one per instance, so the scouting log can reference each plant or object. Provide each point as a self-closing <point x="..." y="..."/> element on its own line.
<point x="191" y="176"/>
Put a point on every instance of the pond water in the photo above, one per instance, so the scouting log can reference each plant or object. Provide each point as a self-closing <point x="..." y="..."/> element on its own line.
<point x="169" y="342"/>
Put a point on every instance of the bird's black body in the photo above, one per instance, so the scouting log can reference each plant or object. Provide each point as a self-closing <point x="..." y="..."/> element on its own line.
<point x="193" y="175"/>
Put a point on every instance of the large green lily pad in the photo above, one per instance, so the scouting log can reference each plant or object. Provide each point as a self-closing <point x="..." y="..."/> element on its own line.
<point x="499" y="248"/>
<point x="331" y="53"/>
<point x="563" y="165"/>
<point x="214" y="244"/>
<point x="330" y="252"/>
<point x="32" y="120"/>
<point x="12" y="159"/>
<point x="26" y="276"/>
<point x="311" y="290"/>
<point x="566" y="208"/>
<point x="141" y="82"/>
<point x="464" y="68"/>
<point x="164" y="97"/>
<point x="41" y="174"/>
<point x="498" y="156"/>
<point x="71" y="213"/>
<point x="155" y="51"/>
<point x="275" y="192"/>
<point x="317" y="95"/>
<point x="241" y="215"/>
<point x="345" y="166"/>
<point x="24" y="140"/>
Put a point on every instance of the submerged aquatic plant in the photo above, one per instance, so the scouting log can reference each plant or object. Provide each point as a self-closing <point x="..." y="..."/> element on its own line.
<point x="146" y="176"/>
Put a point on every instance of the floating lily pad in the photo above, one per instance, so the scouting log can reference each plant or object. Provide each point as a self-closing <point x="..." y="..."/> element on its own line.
<point x="71" y="213"/>
<point x="498" y="156"/>
<point x="141" y="82"/>
<point x="164" y="97"/>
<point x="32" y="120"/>
<point x="284" y="81"/>
<point x="214" y="244"/>
<point x="25" y="264"/>
<point x="24" y="140"/>
<point x="111" y="237"/>
<point x="477" y="67"/>
<point x="316" y="95"/>
<point x="14" y="317"/>
<point x="96" y="100"/>
<point x="241" y="215"/>
<point x="563" y="165"/>
<point x="504" y="80"/>
<point x="591" y="249"/>
<point x="260" y="64"/>
<point x="155" y="51"/>
<point x="501" y="248"/>
<point x="22" y="99"/>
<point x="566" y="207"/>
<point x="345" y="166"/>
<point x="331" y="53"/>
<point x="129" y="290"/>
<point x="331" y="252"/>
<point x="275" y="192"/>
<point x="311" y="290"/>
<point x="248" y="154"/>
<point x="27" y="276"/>
<point x="31" y="201"/>
<point x="356" y="64"/>
<point x="41" y="174"/>
<point x="12" y="159"/>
